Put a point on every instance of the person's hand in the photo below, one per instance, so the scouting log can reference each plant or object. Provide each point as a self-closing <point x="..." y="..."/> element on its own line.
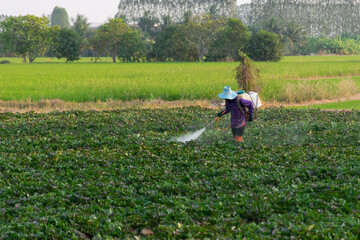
<point x="220" y="114"/>
<point x="250" y="118"/>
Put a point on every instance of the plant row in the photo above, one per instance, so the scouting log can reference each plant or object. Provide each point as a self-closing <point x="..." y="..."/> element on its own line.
<point x="113" y="174"/>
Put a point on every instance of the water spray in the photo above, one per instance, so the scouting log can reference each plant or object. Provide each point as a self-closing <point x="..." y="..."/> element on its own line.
<point x="195" y="135"/>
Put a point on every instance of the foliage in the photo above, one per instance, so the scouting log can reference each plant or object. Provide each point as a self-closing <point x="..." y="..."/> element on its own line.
<point x="149" y="25"/>
<point x="295" y="36"/>
<point x="171" y="44"/>
<point x="131" y="48"/>
<point x="27" y="36"/>
<point x="329" y="18"/>
<point x="134" y="10"/>
<point x="201" y="32"/>
<point x="59" y="17"/>
<point x="338" y="45"/>
<point x="109" y="36"/>
<point x="264" y="46"/>
<point x="111" y="174"/>
<point x="81" y="26"/>
<point x="274" y="25"/>
<point x="310" y="47"/>
<point x="247" y="75"/>
<point x="232" y="38"/>
<point x="68" y="44"/>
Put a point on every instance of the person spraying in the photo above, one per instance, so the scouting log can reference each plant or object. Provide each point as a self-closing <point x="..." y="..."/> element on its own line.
<point x="237" y="107"/>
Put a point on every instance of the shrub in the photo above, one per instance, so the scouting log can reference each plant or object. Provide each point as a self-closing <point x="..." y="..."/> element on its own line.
<point x="264" y="46"/>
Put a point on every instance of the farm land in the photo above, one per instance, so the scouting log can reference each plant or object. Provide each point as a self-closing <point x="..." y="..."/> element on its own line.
<point x="293" y="80"/>
<point x="119" y="175"/>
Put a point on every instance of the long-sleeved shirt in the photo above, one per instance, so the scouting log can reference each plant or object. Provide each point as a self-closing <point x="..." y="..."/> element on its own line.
<point x="237" y="117"/>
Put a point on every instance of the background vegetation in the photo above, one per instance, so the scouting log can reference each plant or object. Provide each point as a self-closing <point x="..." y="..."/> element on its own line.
<point x="207" y="37"/>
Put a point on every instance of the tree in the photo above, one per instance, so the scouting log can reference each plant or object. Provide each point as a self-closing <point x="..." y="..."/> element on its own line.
<point x="295" y="36"/>
<point x="213" y="10"/>
<point x="60" y="17"/>
<point x="166" y="20"/>
<point x="171" y="44"/>
<point x="187" y="16"/>
<point x="274" y="25"/>
<point x="233" y="37"/>
<point x="109" y="37"/>
<point x="68" y="44"/>
<point x="27" y="36"/>
<point x="201" y="32"/>
<point x="264" y="46"/>
<point x="81" y="26"/>
<point x="149" y="25"/>
<point x="2" y="18"/>
<point x="131" y="48"/>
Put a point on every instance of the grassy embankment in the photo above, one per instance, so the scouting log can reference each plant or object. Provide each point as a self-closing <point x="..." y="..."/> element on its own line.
<point x="292" y="80"/>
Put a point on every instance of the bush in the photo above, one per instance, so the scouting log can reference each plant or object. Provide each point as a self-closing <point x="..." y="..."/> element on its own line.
<point x="264" y="46"/>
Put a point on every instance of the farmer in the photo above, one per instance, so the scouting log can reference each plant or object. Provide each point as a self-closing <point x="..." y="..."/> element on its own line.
<point x="236" y="106"/>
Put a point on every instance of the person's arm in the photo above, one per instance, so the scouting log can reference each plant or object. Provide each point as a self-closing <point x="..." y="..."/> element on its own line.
<point x="248" y="104"/>
<point x="223" y="112"/>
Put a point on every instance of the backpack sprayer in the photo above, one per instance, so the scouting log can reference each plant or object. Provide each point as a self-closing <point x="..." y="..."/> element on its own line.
<point x="251" y="96"/>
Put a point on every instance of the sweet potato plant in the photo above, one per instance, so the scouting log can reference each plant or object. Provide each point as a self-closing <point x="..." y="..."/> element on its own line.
<point x="110" y="175"/>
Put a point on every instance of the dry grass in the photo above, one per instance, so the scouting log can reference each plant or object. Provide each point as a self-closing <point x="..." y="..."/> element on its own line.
<point x="44" y="106"/>
<point x="305" y="91"/>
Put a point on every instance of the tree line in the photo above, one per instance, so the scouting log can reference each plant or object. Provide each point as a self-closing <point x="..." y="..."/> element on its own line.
<point x="206" y="37"/>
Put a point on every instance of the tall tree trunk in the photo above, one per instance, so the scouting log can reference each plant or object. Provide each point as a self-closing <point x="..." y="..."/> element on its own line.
<point x="114" y="57"/>
<point x="24" y="58"/>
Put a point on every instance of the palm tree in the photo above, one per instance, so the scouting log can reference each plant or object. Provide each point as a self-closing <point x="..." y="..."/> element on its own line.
<point x="295" y="36"/>
<point x="274" y="25"/>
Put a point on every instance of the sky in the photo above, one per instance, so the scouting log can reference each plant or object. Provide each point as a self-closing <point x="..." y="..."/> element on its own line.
<point x="96" y="11"/>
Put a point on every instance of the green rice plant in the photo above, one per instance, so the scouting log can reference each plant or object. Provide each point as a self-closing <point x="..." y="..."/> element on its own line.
<point x="346" y="105"/>
<point x="86" y="80"/>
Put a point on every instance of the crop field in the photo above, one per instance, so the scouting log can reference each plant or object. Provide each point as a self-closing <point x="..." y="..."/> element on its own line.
<point x="113" y="174"/>
<point x="294" y="79"/>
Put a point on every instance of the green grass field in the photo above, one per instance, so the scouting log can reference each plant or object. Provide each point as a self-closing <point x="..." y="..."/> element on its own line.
<point x="50" y="78"/>
<point x="347" y="105"/>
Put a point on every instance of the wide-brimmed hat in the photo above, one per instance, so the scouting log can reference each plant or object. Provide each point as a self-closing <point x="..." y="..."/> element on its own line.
<point x="228" y="93"/>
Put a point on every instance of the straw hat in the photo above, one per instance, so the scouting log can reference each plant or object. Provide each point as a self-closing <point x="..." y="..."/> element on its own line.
<point x="228" y="93"/>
